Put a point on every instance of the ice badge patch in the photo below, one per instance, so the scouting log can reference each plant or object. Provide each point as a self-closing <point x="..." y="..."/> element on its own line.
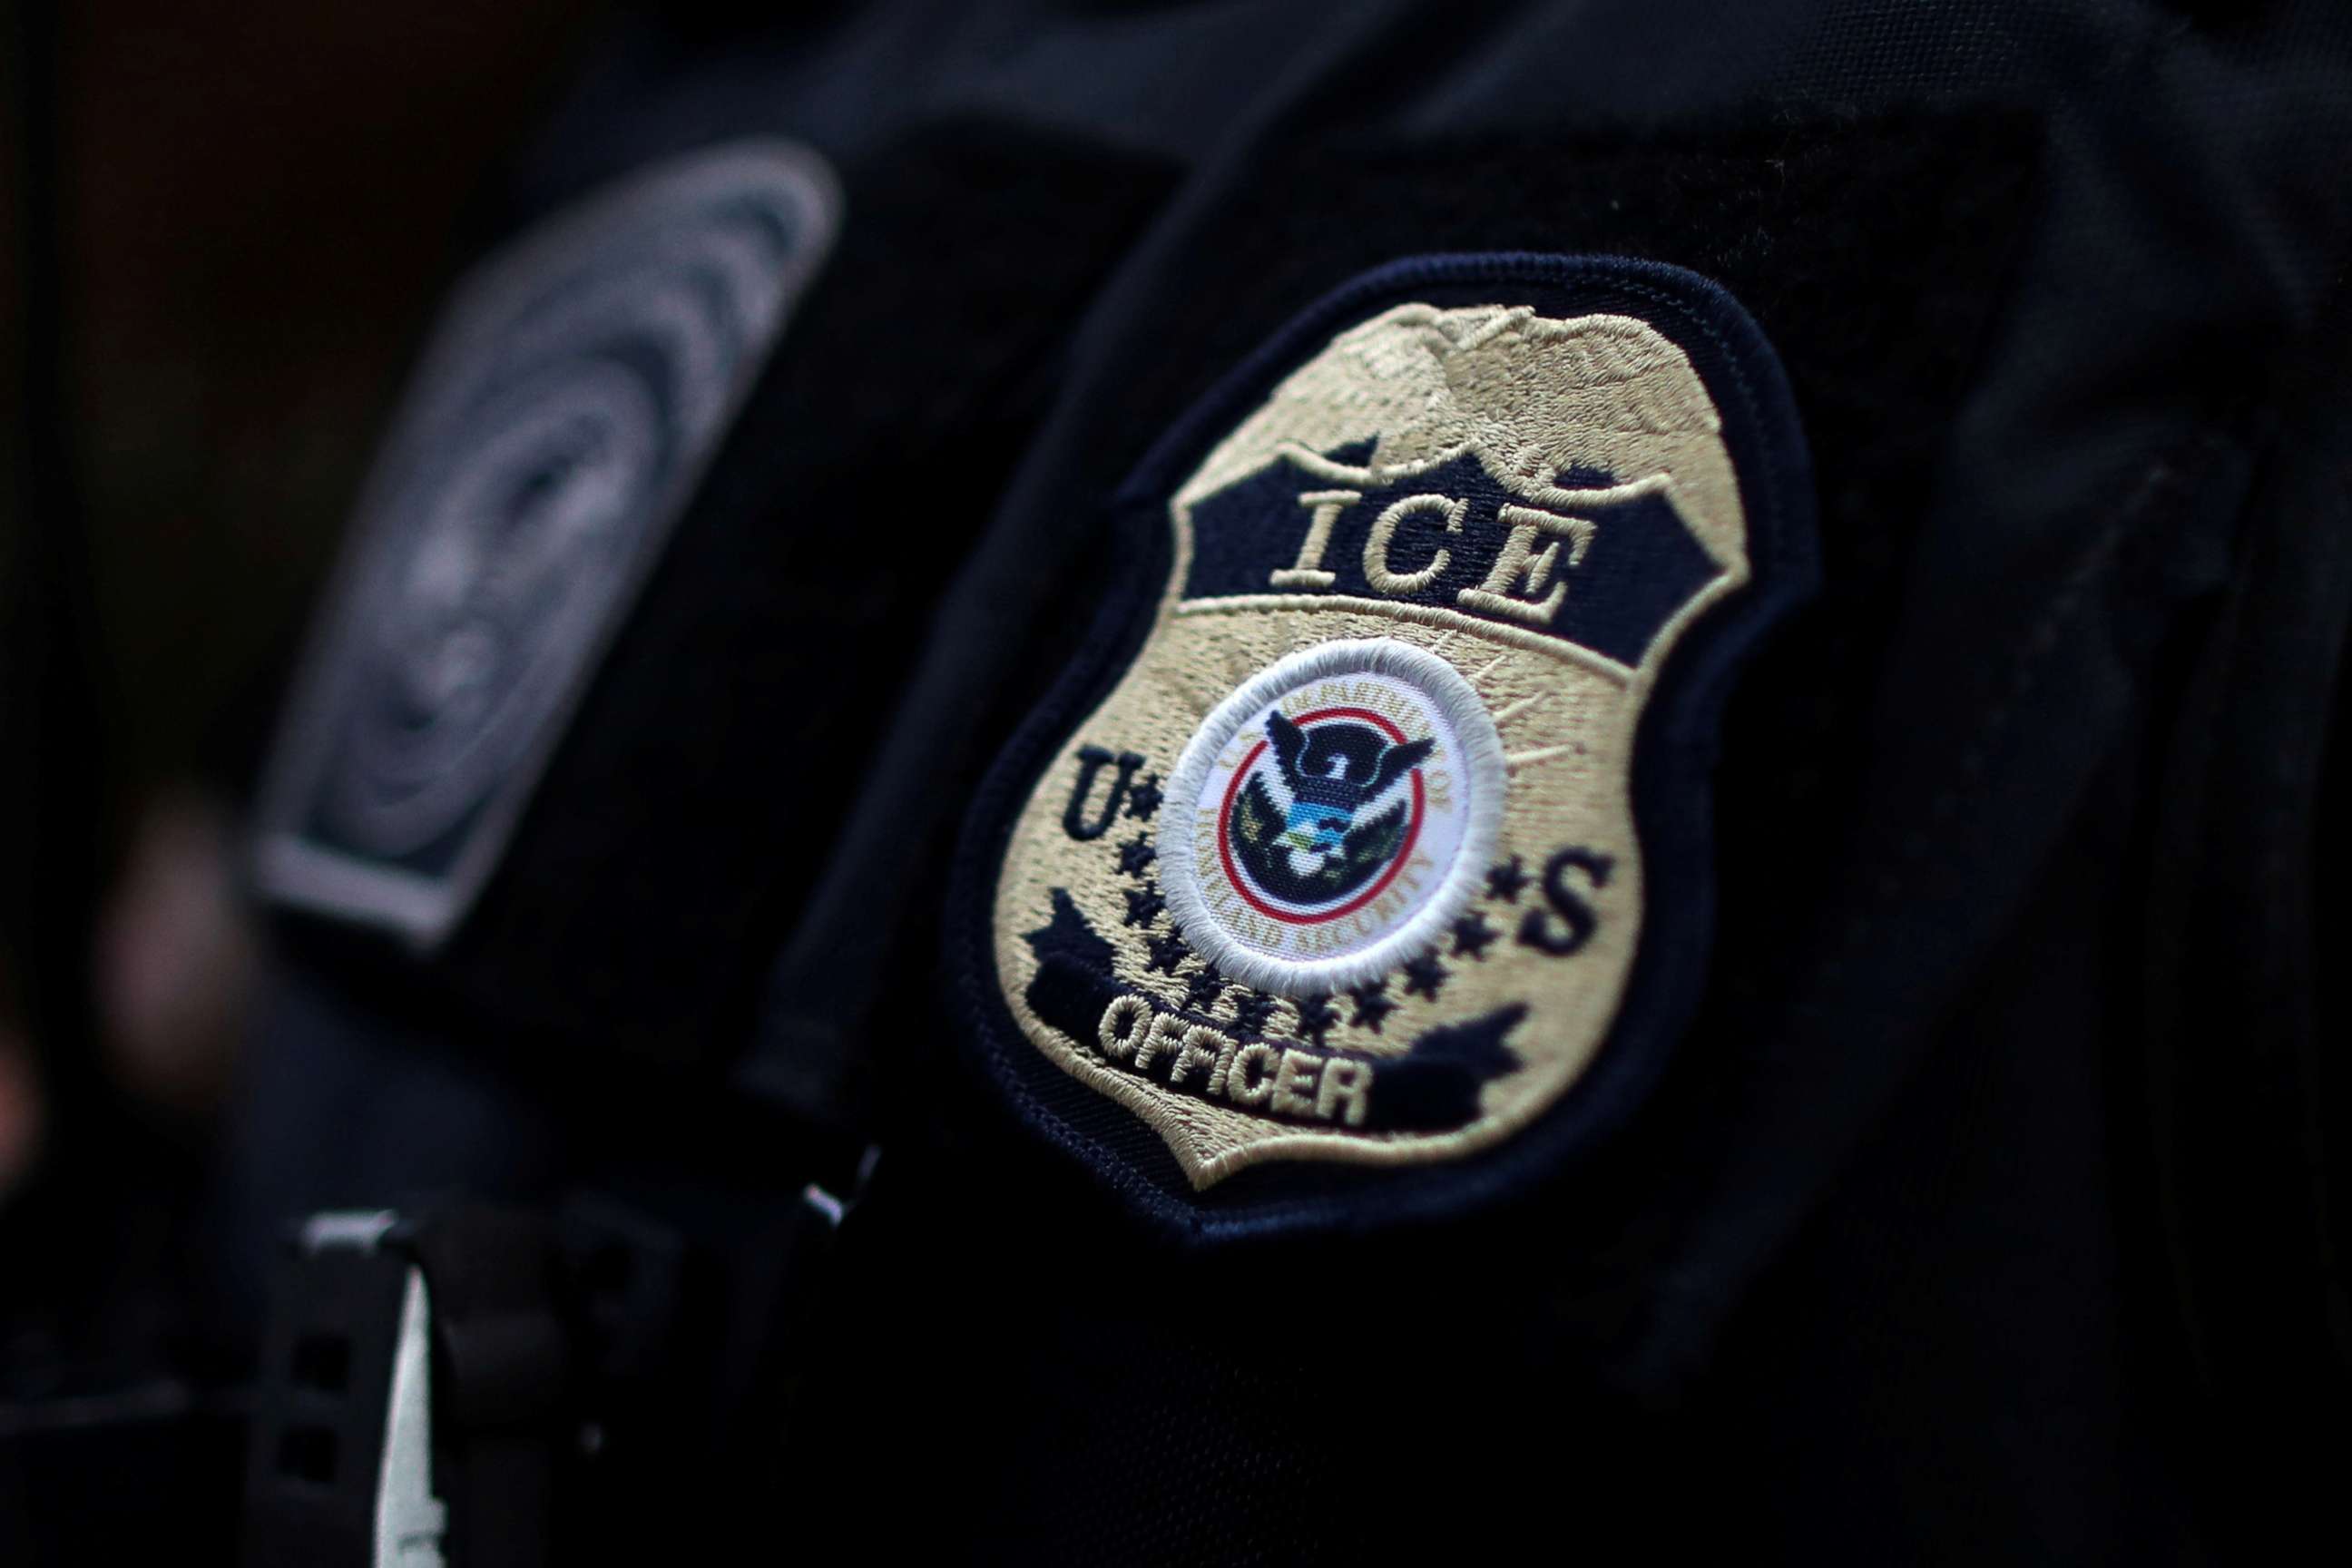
<point x="1382" y="868"/>
<point x="558" y="424"/>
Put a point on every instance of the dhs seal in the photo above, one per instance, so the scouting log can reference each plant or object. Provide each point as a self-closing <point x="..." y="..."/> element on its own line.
<point x="1377" y="873"/>
<point x="1341" y="807"/>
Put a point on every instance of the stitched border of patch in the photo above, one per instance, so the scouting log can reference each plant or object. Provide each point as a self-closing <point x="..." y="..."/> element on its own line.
<point x="574" y="391"/>
<point x="1116" y="1135"/>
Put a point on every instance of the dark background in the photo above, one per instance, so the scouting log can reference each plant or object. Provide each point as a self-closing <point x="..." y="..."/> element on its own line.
<point x="226" y="222"/>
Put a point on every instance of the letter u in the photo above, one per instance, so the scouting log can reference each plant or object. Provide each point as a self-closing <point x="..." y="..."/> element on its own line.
<point x="1090" y="761"/>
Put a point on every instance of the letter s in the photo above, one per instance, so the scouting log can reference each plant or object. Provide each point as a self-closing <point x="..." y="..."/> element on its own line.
<point x="1571" y="921"/>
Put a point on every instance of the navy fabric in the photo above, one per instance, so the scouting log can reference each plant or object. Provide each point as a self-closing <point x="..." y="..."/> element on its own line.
<point x="779" y="573"/>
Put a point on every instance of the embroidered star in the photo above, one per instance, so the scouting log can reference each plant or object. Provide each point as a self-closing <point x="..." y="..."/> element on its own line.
<point x="1423" y="975"/>
<point x="1373" y="1005"/>
<point x="1471" y="935"/>
<point x="1136" y="855"/>
<point x="1504" y="881"/>
<point x="1167" y="952"/>
<point x="1202" y="991"/>
<point x="1253" y="1013"/>
<point x="1317" y="1018"/>
<point x="1143" y="799"/>
<point x="1143" y="903"/>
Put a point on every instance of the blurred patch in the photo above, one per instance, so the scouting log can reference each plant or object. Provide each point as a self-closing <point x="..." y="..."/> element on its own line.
<point x="558" y="426"/>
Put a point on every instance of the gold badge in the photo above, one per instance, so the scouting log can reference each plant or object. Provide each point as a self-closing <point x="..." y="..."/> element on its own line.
<point x="1348" y="866"/>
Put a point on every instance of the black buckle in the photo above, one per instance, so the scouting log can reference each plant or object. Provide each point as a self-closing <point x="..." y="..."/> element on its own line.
<point x="339" y="1464"/>
<point x="431" y="1385"/>
<point x="415" y="1382"/>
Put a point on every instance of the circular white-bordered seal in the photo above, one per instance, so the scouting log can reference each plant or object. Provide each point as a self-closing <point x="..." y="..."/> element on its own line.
<point x="1330" y="819"/>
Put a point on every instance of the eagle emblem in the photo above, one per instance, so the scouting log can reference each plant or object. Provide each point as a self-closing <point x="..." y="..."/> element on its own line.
<point x="1323" y="821"/>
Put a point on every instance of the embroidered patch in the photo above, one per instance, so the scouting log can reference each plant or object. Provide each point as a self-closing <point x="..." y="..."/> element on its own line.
<point x="556" y="428"/>
<point x="1379" y="871"/>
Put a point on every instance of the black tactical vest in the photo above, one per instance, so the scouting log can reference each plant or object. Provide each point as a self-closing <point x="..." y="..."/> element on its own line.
<point x="1291" y="782"/>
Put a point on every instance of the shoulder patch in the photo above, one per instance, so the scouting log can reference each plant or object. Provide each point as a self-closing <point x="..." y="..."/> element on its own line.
<point x="1377" y="873"/>
<point x="557" y="425"/>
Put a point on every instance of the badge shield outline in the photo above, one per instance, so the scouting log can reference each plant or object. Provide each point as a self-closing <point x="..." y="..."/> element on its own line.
<point x="1621" y="822"/>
